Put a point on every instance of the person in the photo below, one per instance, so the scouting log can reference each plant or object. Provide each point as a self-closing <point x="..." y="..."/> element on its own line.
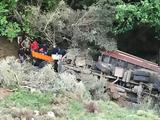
<point x="55" y="50"/>
<point x="43" y="49"/>
<point x="139" y="90"/>
<point x="19" y="41"/>
<point x="61" y="52"/>
<point x="34" y="46"/>
<point x="27" y="54"/>
<point x="21" y="54"/>
<point x="139" y="93"/>
<point x="26" y="42"/>
<point x="39" y="63"/>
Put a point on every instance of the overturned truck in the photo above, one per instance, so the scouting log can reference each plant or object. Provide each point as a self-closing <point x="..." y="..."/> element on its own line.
<point x="131" y="75"/>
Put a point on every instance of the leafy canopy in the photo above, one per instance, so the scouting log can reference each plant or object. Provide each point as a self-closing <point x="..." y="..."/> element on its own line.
<point x="8" y="28"/>
<point x="144" y="12"/>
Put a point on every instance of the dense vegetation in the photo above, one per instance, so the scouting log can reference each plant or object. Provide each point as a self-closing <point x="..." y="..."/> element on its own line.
<point x="77" y="22"/>
<point x="133" y="14"/>
<point x="43" y="94"/>
<point x="73" y="23"/>
<point x="75" y="109"/>
<point x="59" y="21"/>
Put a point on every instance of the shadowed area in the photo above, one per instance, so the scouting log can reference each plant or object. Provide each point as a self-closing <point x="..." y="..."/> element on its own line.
<point x="8" y="48"/>
<point x="140" y="42"/>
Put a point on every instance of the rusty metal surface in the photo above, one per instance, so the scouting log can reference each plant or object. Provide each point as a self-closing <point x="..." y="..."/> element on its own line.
<point x="133" y="60"/>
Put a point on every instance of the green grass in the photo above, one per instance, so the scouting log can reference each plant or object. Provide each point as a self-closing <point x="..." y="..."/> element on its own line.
<point x="76" y="110"/>
<point x="108" y="111"/>
<point x="24" y="98"/>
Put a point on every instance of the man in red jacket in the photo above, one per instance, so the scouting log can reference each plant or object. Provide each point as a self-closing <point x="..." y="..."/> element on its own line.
<point x="34" y="46"/>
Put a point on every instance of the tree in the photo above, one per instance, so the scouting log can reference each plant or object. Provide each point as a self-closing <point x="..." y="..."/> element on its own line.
<point x="98" y="22"/>
<point x="80" y="4"/>
<point x="77" y="27"/>
<point x="57" y="22"/>
<point x="144" y="12"/>
<point x="8" y="28"/>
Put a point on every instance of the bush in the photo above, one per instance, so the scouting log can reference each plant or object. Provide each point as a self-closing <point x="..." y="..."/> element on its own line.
<point x="24" y="98"/>
<point x="10" y="72"/>
<point x="96" y="87"/>
<point x="108" y="111"/>
<point x="14" y="74"/>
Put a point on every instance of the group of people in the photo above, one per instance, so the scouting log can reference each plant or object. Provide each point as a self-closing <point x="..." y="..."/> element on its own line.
<point x="26" y="46"/>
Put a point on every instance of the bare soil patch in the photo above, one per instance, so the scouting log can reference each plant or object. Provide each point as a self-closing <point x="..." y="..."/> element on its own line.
<point x="4" y="93"/>
<point x="8" y="48"/>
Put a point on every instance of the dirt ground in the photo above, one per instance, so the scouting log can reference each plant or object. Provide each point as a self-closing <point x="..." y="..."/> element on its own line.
<point x="7" y="48"/>
<point x="4" y="93"/>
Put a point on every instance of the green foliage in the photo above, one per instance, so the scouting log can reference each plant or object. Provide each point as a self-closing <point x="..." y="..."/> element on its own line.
<point x="49" y="4"/>
<point x="10" y="26"/>
<point x="144" y="12"/>
<point x="108" y="111"/>
<point x="24" y="98"/>
<point x="80" y="4"/>
<point x="7" y="28"/>
<point x="89" y="2"/>
<point x="104" y="17"/>
<point x="11" y="4"/>
<point x="12" y="29"/>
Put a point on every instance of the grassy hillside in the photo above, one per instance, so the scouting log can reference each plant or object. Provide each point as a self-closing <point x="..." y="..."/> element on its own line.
<point x="73" y="110"/>
<point x="42" y="94"/>
<point x="109" y="111"/>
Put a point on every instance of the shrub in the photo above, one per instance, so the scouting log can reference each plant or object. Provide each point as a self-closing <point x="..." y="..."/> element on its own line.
<point x="10" y="72"/>
<point x="14" y="74"/>
<point x="91" y="107"/>
<point x="24" y="98"/>
<point x="108" y="111"/>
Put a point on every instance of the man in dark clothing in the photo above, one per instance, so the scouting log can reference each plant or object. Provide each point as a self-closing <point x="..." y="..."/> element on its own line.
<point x="28" y="52"/>
<point x="43" y="49"/>
<point x="21" y="54"/>
<point x="55" y="50"/>
<point x="40" y="63"/>
<point x="62" y="52"/>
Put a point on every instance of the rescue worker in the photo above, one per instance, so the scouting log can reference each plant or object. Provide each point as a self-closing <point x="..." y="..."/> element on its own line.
<point x="26" y="43"/>
<point x="62" y="52"/>
<point x="23" y="42"/>
<point x="34" y="46"/>
<point x="54" y="52"/>
<point x="139" y="90"/>
<point x="21" y="54"/>
<point x="43" y="49"/>
<point x="139" y="93"/>
<point x="40" y="63"/>
<point x="20" y="41"/>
